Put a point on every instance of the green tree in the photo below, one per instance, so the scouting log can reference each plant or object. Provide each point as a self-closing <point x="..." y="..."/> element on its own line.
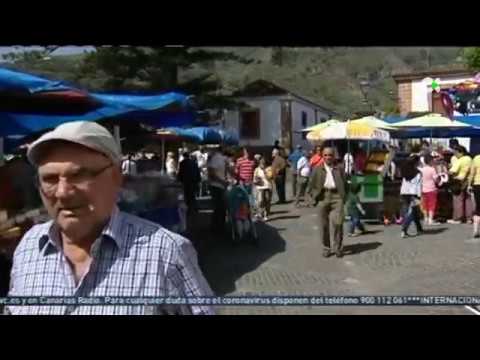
<point x="472" y="57"/>
<point x="43" y="63"/>
<point x="159" y="69"/>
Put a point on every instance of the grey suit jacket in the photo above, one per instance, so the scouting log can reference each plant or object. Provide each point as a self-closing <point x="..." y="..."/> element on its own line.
<point x="317" y="181"/>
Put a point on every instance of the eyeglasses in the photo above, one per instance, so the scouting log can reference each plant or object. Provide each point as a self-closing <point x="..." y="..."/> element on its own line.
<point x="48" y="183"/>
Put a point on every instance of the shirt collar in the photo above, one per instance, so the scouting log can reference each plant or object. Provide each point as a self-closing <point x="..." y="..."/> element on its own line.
<point x="51" y="235"/>
<point x="113" y="229"/>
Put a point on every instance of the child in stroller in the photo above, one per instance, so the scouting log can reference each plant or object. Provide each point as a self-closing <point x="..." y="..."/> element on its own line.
<point x="240" y="214"/>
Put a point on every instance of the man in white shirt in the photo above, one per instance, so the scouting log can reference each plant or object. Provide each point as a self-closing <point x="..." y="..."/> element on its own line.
<point x="348" y="163"/>
<point x="129" y="167"/>
<point x="327" y="188"/>
<point x="217" y="175"/>
<point x="303" y="175"/>
<point x="201" y="156"/>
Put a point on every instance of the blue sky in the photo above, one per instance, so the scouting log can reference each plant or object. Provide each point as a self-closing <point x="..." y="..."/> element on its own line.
<point x="64" y="50"/>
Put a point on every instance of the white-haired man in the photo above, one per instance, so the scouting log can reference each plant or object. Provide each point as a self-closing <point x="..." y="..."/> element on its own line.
<point x="90" y="248"/>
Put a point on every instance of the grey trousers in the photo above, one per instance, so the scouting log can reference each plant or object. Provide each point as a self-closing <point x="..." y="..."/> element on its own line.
<point x="302" y="183"/>
<point x="294" y="184"/>
<point x="462" y="206"/>
<point x="331" y="215"/>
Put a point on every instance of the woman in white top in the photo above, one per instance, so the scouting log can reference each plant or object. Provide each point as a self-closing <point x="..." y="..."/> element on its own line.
<point x="171" y="165"/>
<point x="411" y="192"/>
<point x="263" y="190"/>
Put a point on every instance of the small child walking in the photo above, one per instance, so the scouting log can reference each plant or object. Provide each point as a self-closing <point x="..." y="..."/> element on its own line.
<point x="354" y="209"/>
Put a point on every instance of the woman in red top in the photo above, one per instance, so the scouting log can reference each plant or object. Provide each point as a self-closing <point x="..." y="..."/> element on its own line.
<point x="317" y="158"/>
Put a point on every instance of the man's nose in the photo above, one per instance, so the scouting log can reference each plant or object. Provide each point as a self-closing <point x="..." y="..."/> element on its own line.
<point x="64" y="189"/>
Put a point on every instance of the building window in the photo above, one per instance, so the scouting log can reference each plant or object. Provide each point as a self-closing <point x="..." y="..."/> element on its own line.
<point x="250" y="124"/>
<point x="304" y="119"/>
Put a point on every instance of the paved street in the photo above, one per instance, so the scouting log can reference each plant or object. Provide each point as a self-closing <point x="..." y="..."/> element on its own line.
<point x="289" y="262"/>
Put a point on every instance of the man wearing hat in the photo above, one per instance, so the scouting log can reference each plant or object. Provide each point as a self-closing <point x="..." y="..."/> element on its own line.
<point x="90" y="248"/>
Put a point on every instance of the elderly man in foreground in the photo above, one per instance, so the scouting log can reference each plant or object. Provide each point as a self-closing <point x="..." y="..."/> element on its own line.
<point x="90" y="248"/>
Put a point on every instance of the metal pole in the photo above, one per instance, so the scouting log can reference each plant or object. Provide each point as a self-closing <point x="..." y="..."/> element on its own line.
<point x="348" y="158"/>
<point x="2" y="159"/>
<point x="116" y="133"/>
<point x="163" y="156"/>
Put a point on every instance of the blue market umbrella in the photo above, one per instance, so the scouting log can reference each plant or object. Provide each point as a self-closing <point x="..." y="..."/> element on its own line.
<point x="229" y="137"/>
<point x="204" y="135"/>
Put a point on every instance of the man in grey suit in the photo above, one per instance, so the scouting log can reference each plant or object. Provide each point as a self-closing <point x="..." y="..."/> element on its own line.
<point x="328" y="189"/>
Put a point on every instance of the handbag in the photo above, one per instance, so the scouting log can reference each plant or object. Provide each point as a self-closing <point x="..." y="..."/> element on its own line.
<point x="457" y="186"/>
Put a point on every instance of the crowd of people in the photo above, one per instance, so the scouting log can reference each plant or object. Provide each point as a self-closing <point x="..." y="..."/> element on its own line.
<point x="429" y="178"/>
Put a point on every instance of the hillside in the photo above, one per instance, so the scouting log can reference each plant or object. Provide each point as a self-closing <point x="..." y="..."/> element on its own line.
<point x="330" y="76"/>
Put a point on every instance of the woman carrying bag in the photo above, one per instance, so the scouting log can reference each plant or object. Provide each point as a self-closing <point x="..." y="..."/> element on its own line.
<point x="411" y="192"/>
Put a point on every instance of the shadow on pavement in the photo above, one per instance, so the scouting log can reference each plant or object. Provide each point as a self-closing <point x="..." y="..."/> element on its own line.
<point x="279" y="212"/>
<point x="360" y="247"/>
<point x="223" y="263"/>
<point x="372" y="232"/>
<point x="285" y="217"/>
<point x="433" y="231"/>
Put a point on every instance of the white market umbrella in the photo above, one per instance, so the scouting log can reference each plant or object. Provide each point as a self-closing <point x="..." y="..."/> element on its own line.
<point x="349" y="131"/>
<point x="375" y="122"/>
<point x="431" y="122"/>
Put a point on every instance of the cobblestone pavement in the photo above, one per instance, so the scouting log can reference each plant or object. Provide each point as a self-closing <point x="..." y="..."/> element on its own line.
<point x="288" y="261"/>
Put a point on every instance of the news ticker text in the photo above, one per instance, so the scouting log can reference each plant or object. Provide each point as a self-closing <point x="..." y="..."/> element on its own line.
<point x="246" y="301"/>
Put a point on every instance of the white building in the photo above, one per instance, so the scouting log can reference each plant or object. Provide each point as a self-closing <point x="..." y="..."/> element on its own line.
<point x="270" y="112"/>
<point x="415" y="89"/>
<point x="415" y="92"/>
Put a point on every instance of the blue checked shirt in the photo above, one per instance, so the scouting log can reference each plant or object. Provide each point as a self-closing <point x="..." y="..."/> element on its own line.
<point x="132" y="258"/>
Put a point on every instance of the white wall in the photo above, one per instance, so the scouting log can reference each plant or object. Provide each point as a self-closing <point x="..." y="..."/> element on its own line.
<point x="297" y="108"/>
<point x="270" y="119"/>
<point x="270" y="115"/>
<point x="421" y="91"/>
<point x="421" y="99"/>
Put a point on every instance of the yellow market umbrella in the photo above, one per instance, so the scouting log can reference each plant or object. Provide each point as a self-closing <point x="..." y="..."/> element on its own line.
<point x="375" y="122"/>
<point x="321" y="125"/>
<point x="430" y="121"/>
<point x="349" y="131"/>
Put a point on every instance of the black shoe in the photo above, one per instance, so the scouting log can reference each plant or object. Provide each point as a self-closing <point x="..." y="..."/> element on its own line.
<point x="326" y="253"/>
<point x="339" y="254"/>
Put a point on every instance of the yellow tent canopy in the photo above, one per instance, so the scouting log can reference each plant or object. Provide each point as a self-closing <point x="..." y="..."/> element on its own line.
<point x="375" y="122"/>
<point x="349" y="130"/>
<point x="322" y="125"/>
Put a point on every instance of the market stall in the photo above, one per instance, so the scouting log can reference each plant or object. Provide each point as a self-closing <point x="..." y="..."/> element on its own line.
<point x="371" y="177"/>
<point x="32" y="105"/>
<point x="431" y="125"/>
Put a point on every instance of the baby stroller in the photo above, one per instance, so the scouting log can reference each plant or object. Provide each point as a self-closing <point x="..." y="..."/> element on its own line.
<point x="240" y="215"/>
